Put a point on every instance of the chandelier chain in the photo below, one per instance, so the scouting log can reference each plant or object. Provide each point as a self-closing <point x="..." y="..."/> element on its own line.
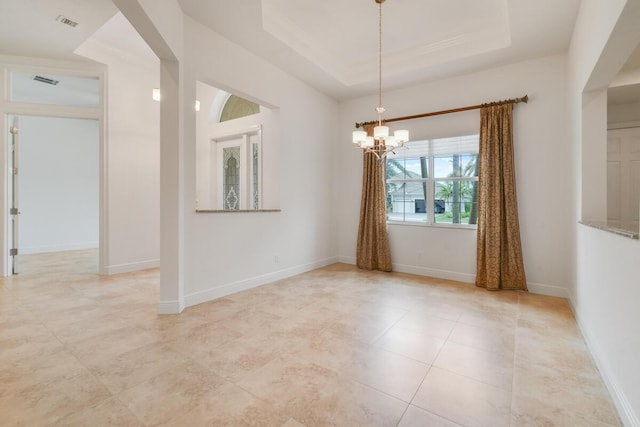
<point x="380" y="144"/>
<point x="380" y="57"/>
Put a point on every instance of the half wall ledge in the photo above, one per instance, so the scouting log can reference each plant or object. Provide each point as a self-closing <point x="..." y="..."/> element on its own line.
<point x="236" y="211"/>
<point x="611" y="228"/>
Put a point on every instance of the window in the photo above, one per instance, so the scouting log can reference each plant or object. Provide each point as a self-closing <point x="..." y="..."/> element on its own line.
<point x="67" y="90"/>
<point x="434" y="182"/>
<point x="237" y="107"/>
<point x="236" y="167"/>
<point x="239" y="171"/>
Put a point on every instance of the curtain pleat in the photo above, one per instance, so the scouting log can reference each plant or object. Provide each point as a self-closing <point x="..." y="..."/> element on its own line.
<point x="499" y="250"/>
<point x="373" y="251"/>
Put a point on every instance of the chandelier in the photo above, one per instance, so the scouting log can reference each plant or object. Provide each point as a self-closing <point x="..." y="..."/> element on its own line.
<point x="381" y="143"/>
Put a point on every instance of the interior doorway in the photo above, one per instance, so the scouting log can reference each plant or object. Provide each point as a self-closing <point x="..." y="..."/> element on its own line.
<point x="623" y="178"/>
<point x="54" y="185"/>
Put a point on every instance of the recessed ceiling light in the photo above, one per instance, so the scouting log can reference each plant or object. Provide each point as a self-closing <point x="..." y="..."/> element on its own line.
<point x="66" y="21"/>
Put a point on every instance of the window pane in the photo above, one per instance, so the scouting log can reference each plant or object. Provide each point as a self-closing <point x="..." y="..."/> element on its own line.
<point x="417" y="167"/>
<point x="55" y="89"/>
<point x="468" y="165"/>
<point x="231" y="185"/>
<point x="395" y="169"/>
<point x="255" y="177"/>
<point x="406" y="201"/>
<point x="455" y="165"/>
<point x="456" y="202"/>
<point x="443" y="166"/>
<point x="407" y="168"/>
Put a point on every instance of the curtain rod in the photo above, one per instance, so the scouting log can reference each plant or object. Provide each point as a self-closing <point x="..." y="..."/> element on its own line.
<point x="524" y="99"/>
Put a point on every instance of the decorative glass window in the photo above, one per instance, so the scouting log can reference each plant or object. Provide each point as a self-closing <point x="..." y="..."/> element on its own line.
<point x="255" y="157"/>
<point x="237" y="107"/>
<point x="434" y="182"/>
<point x="239" y="171"/>
<point x="231" y="181"/>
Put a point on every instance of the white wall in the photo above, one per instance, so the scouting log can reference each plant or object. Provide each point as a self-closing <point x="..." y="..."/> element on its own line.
<point x="133" y="158"/>
<point x="226" y="252"/>
<point x="606" y="306"/>
<point x="605" y="291"/>
<point x="541" y="153"/>
<point x="205" y="94"/>
<point x="58" y="184"/>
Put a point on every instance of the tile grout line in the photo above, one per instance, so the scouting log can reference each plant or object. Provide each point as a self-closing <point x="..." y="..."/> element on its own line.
<point x="426" y="374"/>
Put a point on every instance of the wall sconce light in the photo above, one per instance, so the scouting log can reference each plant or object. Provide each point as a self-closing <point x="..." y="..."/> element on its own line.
<point x="156" y="94"/>
<point x="197" y="105"/>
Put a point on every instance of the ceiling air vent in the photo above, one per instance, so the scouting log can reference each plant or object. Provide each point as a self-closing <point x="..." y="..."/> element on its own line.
<point x="46" y="80"/>
<point x="66" y="21"/>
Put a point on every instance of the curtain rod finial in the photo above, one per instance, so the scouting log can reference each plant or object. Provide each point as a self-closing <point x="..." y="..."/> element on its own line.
<point x="525" y="99"/>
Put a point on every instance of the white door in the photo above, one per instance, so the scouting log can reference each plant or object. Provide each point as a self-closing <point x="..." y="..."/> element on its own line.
<point x="623" y="177"/>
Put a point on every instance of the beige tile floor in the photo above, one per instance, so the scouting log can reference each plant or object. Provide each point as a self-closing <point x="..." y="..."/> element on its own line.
<point x="335" y="346"/>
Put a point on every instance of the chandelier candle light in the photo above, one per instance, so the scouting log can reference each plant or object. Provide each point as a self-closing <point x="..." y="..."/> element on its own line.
<point x="381" y="143"/>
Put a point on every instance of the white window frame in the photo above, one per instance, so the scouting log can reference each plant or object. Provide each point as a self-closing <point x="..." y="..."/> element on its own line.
<point x="430" y="153"/>
<point x="246" y="140"/>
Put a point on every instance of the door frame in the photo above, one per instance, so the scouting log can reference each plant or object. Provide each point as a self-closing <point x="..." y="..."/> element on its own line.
<point x="624" y="158"/>
<point x="10" y="108"/>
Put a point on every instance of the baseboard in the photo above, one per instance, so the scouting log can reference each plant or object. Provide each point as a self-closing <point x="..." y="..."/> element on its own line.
<point x="170" y="307"/>
<point x="433" y="272"/>
<point x="536" y="288"/>
<point x="242" y="285"/>
<point x="549" y="290"/>
<point x="422" y="271"/>
<point x="57" y="248"/>
<point x="622" y="404"/>
<point x="347" y="260"/>
<point x="133" y="266"/>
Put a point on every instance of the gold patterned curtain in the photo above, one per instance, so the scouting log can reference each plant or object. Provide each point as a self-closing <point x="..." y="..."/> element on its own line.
<point x="373" y="242"/>
<point x="499" y="251"/>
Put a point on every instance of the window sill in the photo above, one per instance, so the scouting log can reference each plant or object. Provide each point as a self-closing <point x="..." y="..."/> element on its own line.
<point x="236" y="211"/>
<point x="612" y="228"/>
<point x="436" y="225"/>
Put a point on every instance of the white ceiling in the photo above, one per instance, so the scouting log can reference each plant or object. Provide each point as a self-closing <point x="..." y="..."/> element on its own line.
<point x="333" y="44"/>
<point x="345" y="42"/>
<point x="330" y="44"/>
<point x="29" y="27"/>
